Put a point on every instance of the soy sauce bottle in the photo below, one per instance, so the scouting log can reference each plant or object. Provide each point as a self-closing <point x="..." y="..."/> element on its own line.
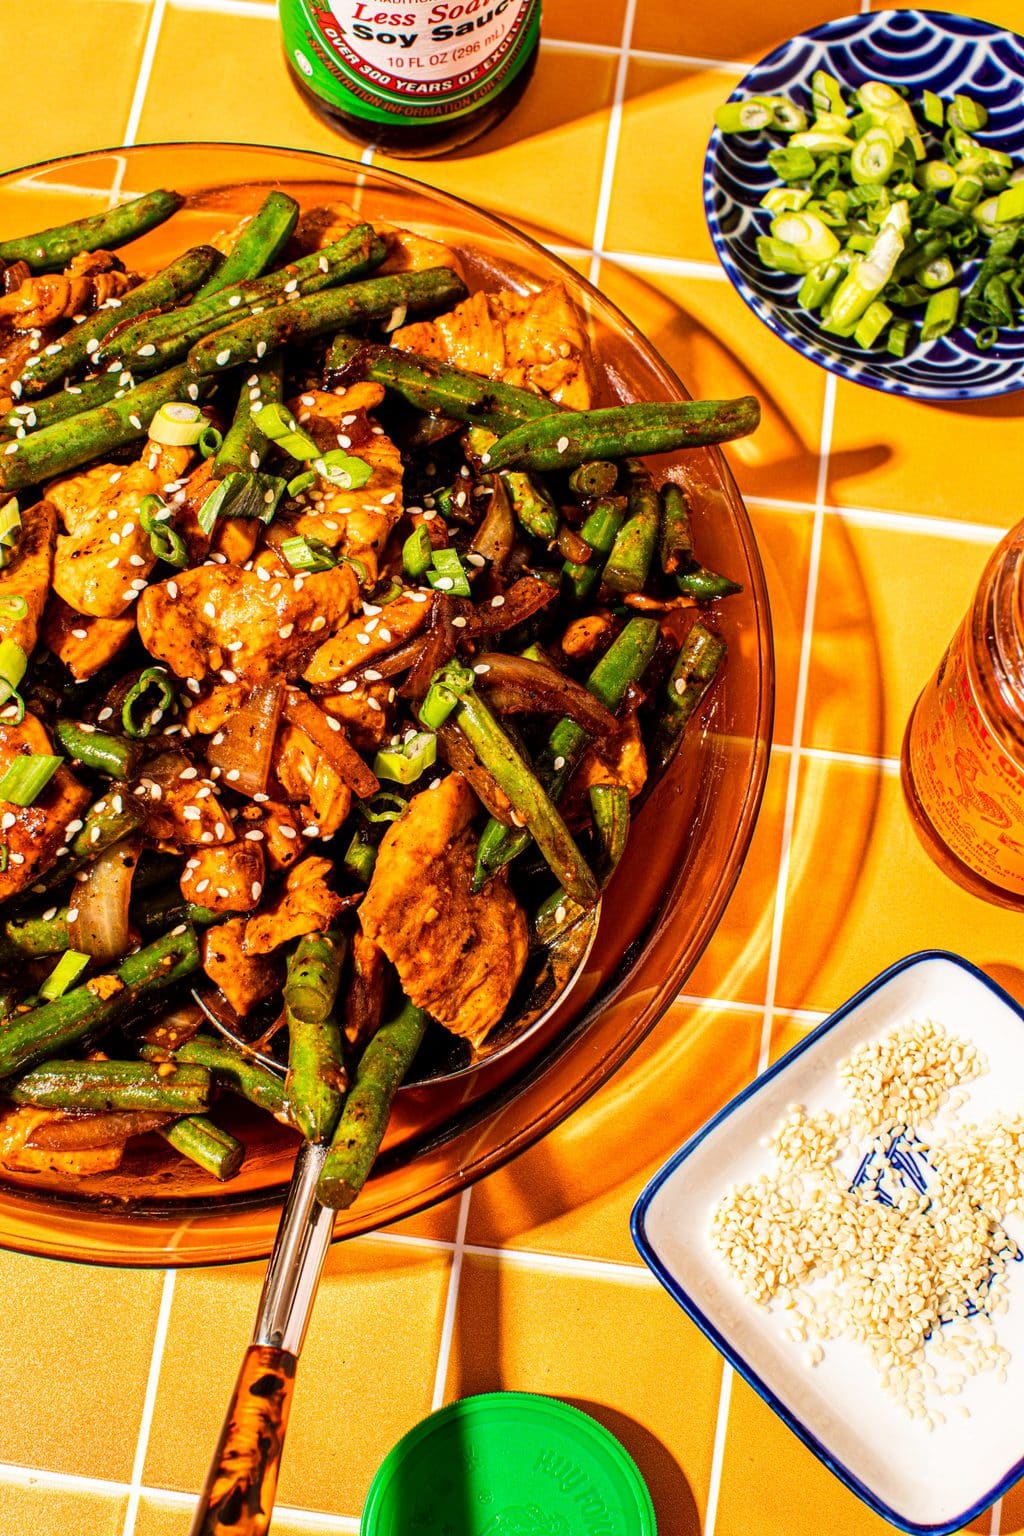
<point x="412" y="77"/>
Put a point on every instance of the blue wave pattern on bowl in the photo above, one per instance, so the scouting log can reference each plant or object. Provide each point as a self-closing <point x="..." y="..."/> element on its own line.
<point x="920" y="50"/>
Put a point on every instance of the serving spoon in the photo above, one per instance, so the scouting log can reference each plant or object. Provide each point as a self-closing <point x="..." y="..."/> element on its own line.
<point x="238" y="1494"/>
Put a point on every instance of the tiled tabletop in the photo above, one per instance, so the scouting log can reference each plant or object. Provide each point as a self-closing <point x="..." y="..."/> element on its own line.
<point x="873" y="520"/>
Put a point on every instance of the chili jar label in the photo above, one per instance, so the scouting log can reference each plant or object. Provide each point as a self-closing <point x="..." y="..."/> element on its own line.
<point x="418" y="60"/>
<point x="968" y="786"/>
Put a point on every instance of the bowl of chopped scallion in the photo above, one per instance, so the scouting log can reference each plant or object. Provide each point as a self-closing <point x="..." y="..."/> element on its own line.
<point x="864" y="189"/>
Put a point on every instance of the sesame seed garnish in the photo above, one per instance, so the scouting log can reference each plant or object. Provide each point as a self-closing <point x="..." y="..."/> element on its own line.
<point x="202" y="885"/>
<point x="288" y="832"/>
<point x="223" y="357"/>
<point x="284" y="633"/>
<point x="498" y="602"/>
<point x="147" y="350"/>
<point x="82" y="634"/>
<point x="481" y="668"/>
<point x="459" y="622"/>
<point x="257" y="890"/>
<point x="348" y="686"/>
<point x="193" y="391"/>
<point x="8" y="819"/>
<point x="172" y="589"/>
<point x="72" y="914"/>
<point x="136" y="422"/>
<point x="318" y="623"/>
<point x="562" y="444"/>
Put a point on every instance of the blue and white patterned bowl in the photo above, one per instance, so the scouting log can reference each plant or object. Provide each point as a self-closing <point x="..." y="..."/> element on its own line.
<point x="922" y="50"/>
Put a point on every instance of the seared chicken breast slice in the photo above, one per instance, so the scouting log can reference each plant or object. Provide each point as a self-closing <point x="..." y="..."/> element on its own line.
<point x="459" y="953"/>
<point x="27" y="576"/>
<point x="33" y="835"/>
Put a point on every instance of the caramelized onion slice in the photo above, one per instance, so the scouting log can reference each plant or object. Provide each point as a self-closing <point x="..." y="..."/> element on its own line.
<point x="515" y="684"/>
<point x="245" y="742"/>
<point x="101" y="928"/>
<point x="80" y="1133"/>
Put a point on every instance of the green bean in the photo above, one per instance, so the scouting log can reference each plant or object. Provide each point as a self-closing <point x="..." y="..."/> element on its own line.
<point x="597" y="477"/>
<point x="239" y="1072"/>
<point x="568" y="439"/>
<point x="512" y="773"/>
<point x="245" y="447"/>
<point x="627" y="567"/>
<point x="67" y="444"/>
<point x="44" y="411"/>
<point x="600" y="530"/>
<point x="691" y="677"/>
<point x="433" y="386"/>
<point x="199" y="1139"/>
<point x="532" y="504"/>
<point x="705" y="585"/>
<point x="321" y="313"/>
<point x="30" y="937"/>
<point x="624" y="662"/>
<point x="73" y="351"/>
<point x="258" y="245"/>
<point x="50" y="250"/>
<point x="609" y="804"/>
<point x="110" y="1085"/>
<point x="676" y="540"/>
<point x="116" y="755"/>
<point x="383" y="1065"/>
<point x="316" y="1080"/>
<point x="51" y="1027"/>
<point x="157" y="341"/>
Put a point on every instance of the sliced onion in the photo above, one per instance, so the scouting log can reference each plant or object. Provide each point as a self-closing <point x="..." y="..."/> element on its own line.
<point x="437" y="649"/>
<point x="82" y="1133"/>
<point x="515" y="684"/>
<point x="333" y="742"/>
<point x="458" y="754"/>
<point x="101" y="901"/>
<point x="245" y="742"/>
<point x="496" y="534"/>
<point x="521" y="601"/>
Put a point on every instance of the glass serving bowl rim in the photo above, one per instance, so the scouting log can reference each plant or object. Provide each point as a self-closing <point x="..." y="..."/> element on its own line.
<point x="687" y="952"/>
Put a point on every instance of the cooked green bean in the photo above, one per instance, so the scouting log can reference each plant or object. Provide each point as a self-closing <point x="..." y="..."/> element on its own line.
<point x="258" y="245"/>
<point x="51" y="249"/>
<point x="568" y="439"/>
<point x="110" y="1085"/>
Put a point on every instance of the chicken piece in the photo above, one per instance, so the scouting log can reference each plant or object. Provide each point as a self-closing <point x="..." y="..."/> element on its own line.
<point x="306" y="905"/>
<point x="17" y="350"/>
<point x="245" y="980"/>
<point x="459" y="954"/>
<point x="364" y="711"/>
<point x="585" y="636"/>
<point x="27" y="576"/>
<point x="407" y="252"/>
<point x="354" y="522"/>
<point x="225" y="879"/>
<point x="378" y="630"/>
<point x="306" y="777"/>
<point x="617" y="759"/>
<point x="278" y="827"/>
<point x="265" y="621"/>
<point x="85" y="645"/>
<point x="536" y="340"/>
<point x="89" y="282"/>
<point x="104" y="557"/>
<point x="181" y="808"/>
<point x="33" y="835"/>
<point x="18" y="1125"/>
<point x="210" y="712"/>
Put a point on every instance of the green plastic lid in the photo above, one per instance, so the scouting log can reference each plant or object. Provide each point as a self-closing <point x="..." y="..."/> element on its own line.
<point x="508" y="1464"/>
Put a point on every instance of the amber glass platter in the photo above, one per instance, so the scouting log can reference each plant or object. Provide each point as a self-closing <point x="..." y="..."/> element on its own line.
<point x="685" y="850"/>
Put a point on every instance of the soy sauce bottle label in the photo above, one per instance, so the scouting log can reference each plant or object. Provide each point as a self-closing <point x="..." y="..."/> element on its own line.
<point x="413" y="61"/>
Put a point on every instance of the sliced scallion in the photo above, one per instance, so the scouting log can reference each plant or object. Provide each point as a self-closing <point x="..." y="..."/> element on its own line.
<point x="417" y="553"/>
<point x="343" y="470"/>
<point x="210" y="440"/>
<point x="154" y="681"/>
<point x="940" y="314"/>
<point x="177" y="424"/>
<point x="64" y="974"/>
<point x="305" y="554"/>
<point x="277" y="423"/>
<point x="27" y="776"/>
<point x="164" y="541"/>
<point x="405" y="764"/>
<point x="448" y="574"/>
<point x="10" y="529"/>
<point x="743" y="116"/>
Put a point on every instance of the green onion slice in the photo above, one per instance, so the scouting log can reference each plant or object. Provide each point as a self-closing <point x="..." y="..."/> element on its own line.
<point x="165" y="542"/>
<point x="405" y="764"/>
<point x="13" y="665"/>
<point x="13" y="606"/>
<point x="448" y="574"/>
<point x="177" y="424"/>
<point x="243" y="495"/>
<point x="210" y="440"/>
<point x="382" y="807"/>
<point x="304" y="554"/>
<point x="27" y="776"/>
<point x="154" y="680"/>
<point x="64" y="974"/>
<point x="343" y="470"/>
<point x="277" y="423"/>
<point x="10" y="529"/>
<point x="359" y="859"/>
<point x="301" y="483"/>
<point x="417" y="553"/>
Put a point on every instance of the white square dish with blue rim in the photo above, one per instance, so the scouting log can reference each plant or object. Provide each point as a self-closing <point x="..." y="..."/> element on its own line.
<point x="921" y="1479"/>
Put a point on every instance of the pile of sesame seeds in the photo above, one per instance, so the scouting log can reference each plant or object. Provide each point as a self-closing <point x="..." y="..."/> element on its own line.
<point x="885" y="1223"/>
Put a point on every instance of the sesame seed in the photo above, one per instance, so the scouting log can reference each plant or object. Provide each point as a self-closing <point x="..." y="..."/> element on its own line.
<point x="72" y="914"/>
<point x="172" y="589"/>
<point x="562" y="444"/>
<point x="81" y="634"/>
<point x="257" y="890"/>
<point x="223" y="357"/>
<point x="255" y="836"/>
<point x="147" y="350"/>
<point x="284" y="633"/>
<point x="202" y="885"/>
<point x="288" y="832"/>
<point x="136" y="422"/>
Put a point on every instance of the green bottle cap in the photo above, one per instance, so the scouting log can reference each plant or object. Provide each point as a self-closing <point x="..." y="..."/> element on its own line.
<point x="508" y="1464"/>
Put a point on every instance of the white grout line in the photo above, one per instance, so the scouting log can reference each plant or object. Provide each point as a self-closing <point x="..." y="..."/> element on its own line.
<point x="565" y="1264"/>
<point x="145" y="70"/>
<point x="302" y="1519"/>
<point x="718" y="1450"/>
<point x="995" y="1518"/>
<point x="611" y="148"/>
<point x="149" y="1403"/>
<point x="799" y="710"/>
<point x="451" y="1305"/>
<point x="12" y="1476"/>
<point x="256" y="10"/>
<point x="886" y="765"/>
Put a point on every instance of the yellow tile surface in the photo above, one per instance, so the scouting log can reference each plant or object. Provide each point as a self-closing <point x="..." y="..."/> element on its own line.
<point x="44" y="1306"/>
<point x="550" y="1295"/>
<point x="661" y="1406"/>
<point x="28" y="1511"/>
<point x="57" y="44"/>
